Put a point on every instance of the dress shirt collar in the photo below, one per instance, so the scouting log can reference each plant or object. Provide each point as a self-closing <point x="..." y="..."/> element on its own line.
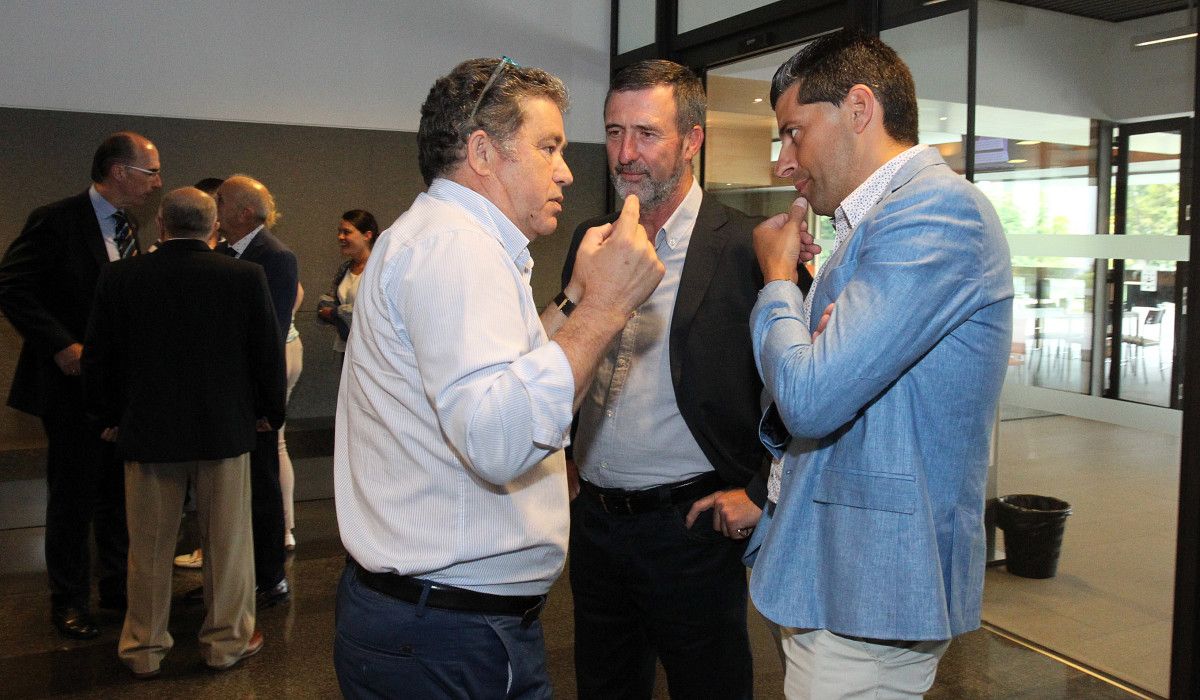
<point x="104" y="208"/>
<point x="104" y="212"/>
<point x="677" y="230"/>
<point x="489" y="216"/>
<point x="868" y="194"/>
<point x="243" y="244"/>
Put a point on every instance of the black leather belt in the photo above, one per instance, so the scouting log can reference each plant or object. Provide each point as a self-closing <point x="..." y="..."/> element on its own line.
<point x="443" y="597"/>
<point x="623" y="502"/>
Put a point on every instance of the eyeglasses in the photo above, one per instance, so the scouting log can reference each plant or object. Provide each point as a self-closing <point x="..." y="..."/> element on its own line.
<point x="149" y="171"/>
<point x="504" y="62"/>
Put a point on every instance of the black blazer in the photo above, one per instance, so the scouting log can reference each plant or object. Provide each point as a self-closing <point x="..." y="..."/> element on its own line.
<point x="717" y="387"/>
<point x="182" y="354"/>
<point x="283" y="274"/>
<point x="47" y="283"/>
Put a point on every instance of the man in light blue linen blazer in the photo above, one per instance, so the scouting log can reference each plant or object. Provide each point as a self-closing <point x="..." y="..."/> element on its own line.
<point x="886" y="382"/>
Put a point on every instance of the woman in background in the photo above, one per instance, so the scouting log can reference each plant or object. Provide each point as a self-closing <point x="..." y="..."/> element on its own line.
<point x="293" y="354"/>
<point x="356" y="235"/>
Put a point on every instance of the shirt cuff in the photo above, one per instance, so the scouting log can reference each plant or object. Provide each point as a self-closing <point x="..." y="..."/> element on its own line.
<point x="548" y="379"/>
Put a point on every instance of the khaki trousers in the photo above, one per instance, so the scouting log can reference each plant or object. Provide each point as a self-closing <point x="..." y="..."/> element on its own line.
<point x="820" y="665"/>
<point x="154" y="496"/>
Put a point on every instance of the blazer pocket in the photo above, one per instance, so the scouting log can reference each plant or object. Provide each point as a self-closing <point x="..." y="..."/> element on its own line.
<point x="871" y="490"/>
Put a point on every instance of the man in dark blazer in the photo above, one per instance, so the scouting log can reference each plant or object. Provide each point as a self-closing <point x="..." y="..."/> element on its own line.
<point x="671" y="469"/>
<point x="246" y="211"/>
<point x="183" y="387"/>
<point x="47" y="282"/>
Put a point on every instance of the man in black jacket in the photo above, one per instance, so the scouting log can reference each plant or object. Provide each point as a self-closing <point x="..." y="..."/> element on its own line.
<point x="247" y="211"/>
<point x="47" y="282"/>
<point x="183" y="386"/>
<point x="670" y="466"/>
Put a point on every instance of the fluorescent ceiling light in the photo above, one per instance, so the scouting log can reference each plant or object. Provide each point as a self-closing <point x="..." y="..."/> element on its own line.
<point x="1167" y="36"/>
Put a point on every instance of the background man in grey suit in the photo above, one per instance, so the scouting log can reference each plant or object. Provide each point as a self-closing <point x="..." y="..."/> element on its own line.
<point x="246" y="211"/>
<point x="47" y="281"/>
<point x="671" y="471"/>
<point x="183" y="388"/>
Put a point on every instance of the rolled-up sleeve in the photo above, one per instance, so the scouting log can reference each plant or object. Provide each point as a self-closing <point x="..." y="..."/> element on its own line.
<point x="501" y="391"/>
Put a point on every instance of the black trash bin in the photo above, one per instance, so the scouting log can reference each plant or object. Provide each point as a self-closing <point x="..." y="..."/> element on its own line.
<point x="1033" y="531"/>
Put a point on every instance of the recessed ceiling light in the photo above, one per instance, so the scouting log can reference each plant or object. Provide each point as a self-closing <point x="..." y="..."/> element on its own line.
<point x="757" y="100"/>
<point x="942" y="119"/>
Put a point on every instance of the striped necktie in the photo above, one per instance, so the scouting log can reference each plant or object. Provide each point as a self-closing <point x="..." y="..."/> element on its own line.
<point x="124" y="237"/>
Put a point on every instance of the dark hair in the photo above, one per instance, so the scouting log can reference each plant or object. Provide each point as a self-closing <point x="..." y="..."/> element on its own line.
<point x="829" y="66"/>
<point x="115" y="148"/>
<point x="364" y="221"/>
<point x="446" y="120"/>
<point x="690" y="100"/>
<point x="209" y="185"/>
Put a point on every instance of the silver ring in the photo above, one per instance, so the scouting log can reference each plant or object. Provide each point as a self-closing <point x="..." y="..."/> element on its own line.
<point x="742" y="530"/>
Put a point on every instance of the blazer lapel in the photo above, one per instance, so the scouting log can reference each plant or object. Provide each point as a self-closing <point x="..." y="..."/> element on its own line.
<point x="708" y="239"/>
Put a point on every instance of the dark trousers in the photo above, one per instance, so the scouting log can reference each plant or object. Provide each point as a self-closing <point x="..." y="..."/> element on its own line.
<point x="266" y="508"/>
<point x="646" y="586"/>
<point x="85" y="484"/>
<point x="387" y="648"/>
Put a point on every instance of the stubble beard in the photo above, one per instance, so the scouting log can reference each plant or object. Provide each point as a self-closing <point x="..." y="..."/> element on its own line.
<point x="651" y="193"/>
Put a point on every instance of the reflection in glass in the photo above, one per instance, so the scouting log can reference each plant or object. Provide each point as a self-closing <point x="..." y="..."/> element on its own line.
<point x="635" y="24"/>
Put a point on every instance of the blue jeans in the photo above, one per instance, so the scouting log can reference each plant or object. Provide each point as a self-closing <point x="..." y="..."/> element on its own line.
<point x="387" y="648"/>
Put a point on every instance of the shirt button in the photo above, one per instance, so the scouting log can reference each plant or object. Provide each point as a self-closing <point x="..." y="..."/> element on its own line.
<point x="609" y="413"/>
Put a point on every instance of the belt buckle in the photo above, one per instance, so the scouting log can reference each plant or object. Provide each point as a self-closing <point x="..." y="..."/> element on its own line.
<point x="624" y="500"/>
<point x="531" y="615"/>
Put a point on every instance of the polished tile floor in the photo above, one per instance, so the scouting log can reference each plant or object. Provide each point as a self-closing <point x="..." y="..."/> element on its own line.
<point x="1110" y="606"/>
<point x="35" y="663"/>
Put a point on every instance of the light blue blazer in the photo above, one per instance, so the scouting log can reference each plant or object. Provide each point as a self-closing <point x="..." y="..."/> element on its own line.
<point x="879" y="527"/>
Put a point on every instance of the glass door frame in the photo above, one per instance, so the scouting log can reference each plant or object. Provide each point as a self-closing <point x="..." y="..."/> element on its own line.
<point x="745" y="36"/>
<point x="1115" y="276"/>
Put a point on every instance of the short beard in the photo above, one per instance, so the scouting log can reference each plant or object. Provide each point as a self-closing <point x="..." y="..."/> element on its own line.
<point x="651" y="193"/>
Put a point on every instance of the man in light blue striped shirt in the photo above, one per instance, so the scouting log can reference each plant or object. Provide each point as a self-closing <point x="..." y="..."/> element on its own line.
<point x="455" y="404"/>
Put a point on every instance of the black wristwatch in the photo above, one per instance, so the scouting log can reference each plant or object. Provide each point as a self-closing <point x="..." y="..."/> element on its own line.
<point x="564" y="303"/>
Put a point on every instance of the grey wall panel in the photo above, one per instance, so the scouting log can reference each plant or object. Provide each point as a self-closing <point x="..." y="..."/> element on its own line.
<point x="315" y="173"/>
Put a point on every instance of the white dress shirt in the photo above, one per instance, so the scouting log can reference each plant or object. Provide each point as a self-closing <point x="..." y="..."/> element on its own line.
<point x="454" y="406"/>
<point x="108" y="225"/>
<point x="629" y="414"/>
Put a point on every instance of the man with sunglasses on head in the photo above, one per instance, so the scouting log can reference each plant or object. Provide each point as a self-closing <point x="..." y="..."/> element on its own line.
<point x="47" y="284"/>
<point x="456" y="399"/>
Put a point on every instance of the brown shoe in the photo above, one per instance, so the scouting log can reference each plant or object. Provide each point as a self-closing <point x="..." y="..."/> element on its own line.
<point x="254" y="646"/>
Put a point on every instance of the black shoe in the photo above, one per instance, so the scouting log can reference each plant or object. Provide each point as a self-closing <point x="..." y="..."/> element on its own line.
<point x="75" y="623"/>
<point x="279" y="593"/>
<point x="116" y="603"/>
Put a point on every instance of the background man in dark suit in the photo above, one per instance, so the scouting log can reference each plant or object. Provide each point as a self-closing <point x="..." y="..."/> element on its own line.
<point x="246" y="211"/>
<point x="668" y="457"/>
<point x="47" y="281"/>
<point x="181" y="388"/>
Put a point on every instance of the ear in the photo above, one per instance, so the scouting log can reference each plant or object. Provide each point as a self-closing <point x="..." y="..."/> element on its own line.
<point x="861" y="104"/>
<point x="481" y="153"/>
<point x="692" y="141"/>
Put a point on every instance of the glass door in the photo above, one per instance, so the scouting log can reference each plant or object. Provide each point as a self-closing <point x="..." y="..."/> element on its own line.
<point x="1146" y="294"/>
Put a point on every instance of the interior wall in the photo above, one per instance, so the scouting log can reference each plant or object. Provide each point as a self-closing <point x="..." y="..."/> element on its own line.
<point x="357" y="63"/>
<point x="314" y="173"/>
<point x="320" y="101"/>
